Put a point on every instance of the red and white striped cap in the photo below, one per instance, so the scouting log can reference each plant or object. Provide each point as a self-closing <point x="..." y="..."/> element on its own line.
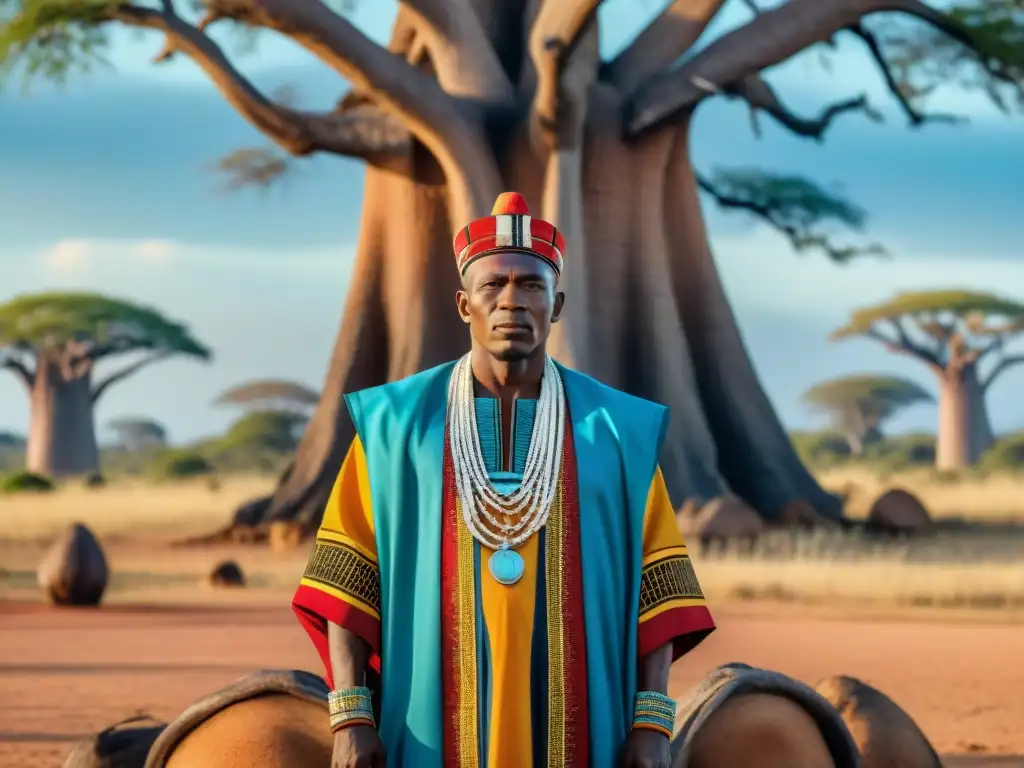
<point x="509" y="228"/>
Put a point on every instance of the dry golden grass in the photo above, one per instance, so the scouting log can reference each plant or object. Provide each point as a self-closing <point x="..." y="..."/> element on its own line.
<point x="977" y="574"/>
<point x="998" y="497"/>
<point x="128" y="508"/>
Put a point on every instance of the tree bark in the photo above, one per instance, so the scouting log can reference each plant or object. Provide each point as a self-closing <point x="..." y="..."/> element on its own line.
<point x="964" y="429"/>
<point x="62" y="436"/>
<point x="659" y="323"/>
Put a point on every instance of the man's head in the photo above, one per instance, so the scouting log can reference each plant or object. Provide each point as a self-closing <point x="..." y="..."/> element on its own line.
<point x="510" y="299"/>
<point x="510" y="265"/>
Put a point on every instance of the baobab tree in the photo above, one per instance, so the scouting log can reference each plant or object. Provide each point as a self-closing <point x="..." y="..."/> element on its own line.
<point x="53" y="342"/>
<point x="472" y="97"/>
<point x="955" y="333"/>
<point x="858" y="406"/>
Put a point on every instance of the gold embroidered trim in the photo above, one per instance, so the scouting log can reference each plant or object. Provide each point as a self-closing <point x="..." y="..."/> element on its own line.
<point x="668" y="579"/>
<point x="345" y="569"/>
<point x="555" y="592"/>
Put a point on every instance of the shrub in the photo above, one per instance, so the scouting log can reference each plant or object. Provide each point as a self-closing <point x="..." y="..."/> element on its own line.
<point x="95" y="480"/>
<point x="182" y="464"/>
<point x="1006" y="454"/>
<point x="21" y="482"/>
<point x="820" y="448"/>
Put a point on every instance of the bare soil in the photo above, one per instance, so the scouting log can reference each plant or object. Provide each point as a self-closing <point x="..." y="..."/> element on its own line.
<point x="66" y="673"/>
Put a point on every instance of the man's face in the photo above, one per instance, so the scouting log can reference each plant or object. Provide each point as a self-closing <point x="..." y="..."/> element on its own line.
<point x="509" y="300"/>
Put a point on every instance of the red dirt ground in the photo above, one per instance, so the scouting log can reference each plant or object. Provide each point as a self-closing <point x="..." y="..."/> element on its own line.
<point x="67" y="673"/>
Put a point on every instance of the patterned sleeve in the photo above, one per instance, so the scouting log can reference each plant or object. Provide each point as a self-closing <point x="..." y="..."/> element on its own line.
<point x="672" y="605"/>
<point x="341" y="583"/>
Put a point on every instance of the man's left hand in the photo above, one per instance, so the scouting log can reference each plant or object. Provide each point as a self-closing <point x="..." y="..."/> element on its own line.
<point x="646" y="749"/>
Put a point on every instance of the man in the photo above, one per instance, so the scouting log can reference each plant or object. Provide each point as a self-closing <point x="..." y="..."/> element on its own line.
<point x="501" y="547"/>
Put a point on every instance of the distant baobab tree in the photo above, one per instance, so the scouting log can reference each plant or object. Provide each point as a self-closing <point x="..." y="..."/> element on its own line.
<point x="53" y="342"/>
<point x="962" y="337"/>
<point x="473" y="97"/>
<point x="859" y="406"/>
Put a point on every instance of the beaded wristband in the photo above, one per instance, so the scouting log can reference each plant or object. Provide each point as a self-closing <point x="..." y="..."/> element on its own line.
<point x="350" y="706"/>
<point x="654" y="712"/>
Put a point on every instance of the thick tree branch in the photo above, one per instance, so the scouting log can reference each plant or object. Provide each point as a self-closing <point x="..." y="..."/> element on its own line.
<point x="915" y="116"/>
<point x="23" y="373"/>
<point x="772" y="37"/>
<point x="125" y="372"/>
<point x="1001" y="367"/>
<point x="904" y="345"/>
<point x="669" y="35"/>
<point x="756" y="91"/>
<point x="297" y="132"/>
<point x="447" y="127"/>
<point x="564" y="60"/>
<point x="464" y="59"/>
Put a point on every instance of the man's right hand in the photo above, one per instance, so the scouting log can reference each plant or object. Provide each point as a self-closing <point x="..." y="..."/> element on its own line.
<point x="358" y="747"/>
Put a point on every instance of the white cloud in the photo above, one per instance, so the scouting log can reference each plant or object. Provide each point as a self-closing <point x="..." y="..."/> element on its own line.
<point x="78" y="254"/>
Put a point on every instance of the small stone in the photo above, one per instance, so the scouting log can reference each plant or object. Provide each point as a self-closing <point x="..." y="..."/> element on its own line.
<point x="226" y="574"/>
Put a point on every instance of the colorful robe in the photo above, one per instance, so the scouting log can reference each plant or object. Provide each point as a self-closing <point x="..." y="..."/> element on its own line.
<point x="474" y="673"/>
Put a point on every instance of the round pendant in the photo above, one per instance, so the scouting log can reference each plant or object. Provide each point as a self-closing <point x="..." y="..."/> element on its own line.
<point x="506" y="566"/>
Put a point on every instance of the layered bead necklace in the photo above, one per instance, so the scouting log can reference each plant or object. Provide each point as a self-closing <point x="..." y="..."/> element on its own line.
<point x="531" y="501"/>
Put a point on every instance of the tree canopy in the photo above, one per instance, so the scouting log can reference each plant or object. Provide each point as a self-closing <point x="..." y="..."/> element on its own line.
<point x="972" y="44"/>
<point x="75" y="330"/>
<point x="944" y="328"/>
<point x="136" y="432"/>
<point x="269" y="394"/>
<point x="863" y="402"/>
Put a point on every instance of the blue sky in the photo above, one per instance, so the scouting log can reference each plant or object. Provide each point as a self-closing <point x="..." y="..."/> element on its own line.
<point x="103" y="187"/>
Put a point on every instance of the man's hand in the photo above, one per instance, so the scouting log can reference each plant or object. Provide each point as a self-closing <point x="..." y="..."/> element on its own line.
<point x="360" y="747"/>
<point x="646" y="749"/>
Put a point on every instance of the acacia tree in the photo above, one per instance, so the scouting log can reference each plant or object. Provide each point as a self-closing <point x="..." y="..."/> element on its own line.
<point x="952" y="332"/>
<point x="472" y="97"/>
<point x="270" y="395"/>
<point x="858" y="406"/>
<point x="52" y="342"/>
<point x="136" y="433"/>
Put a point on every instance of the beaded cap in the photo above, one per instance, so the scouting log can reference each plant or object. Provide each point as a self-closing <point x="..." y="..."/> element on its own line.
<point x="509" y="228"/>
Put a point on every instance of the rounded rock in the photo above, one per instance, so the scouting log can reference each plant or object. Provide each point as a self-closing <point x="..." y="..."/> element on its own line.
<point x="899" y="511"/>
<point x="226" y="574"/>
<point x="74" y="571"/>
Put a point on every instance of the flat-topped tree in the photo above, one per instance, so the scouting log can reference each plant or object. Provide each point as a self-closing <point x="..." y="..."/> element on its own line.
<point x="473" y="97"/>
<point x="270" y="395"/>
<point x="956" y="334"/>
<point x="135" y="433"/>
<point x="53" y="342"/>
<point x="859" y="406"/>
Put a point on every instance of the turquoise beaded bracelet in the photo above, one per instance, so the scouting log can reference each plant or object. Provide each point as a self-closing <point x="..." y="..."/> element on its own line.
<point x="654" y="712"/>
<point x="350" y="706"/>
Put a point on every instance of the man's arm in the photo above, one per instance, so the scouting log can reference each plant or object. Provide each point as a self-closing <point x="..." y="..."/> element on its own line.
<point x="340" y="588"/>
<point x="350" y="656"/>
<point x="653" y="670"/>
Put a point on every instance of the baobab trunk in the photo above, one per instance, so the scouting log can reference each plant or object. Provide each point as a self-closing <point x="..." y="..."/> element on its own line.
<point x="658" y="322"/>
<point x="964" y="430"/>
<point x="62" y="436"/>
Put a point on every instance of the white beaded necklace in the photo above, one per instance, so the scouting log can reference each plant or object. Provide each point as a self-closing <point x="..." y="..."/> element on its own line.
<point x="534" y="495"/>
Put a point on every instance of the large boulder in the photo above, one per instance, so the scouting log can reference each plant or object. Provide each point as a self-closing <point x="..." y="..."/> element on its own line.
<point x="726" y="517"/>
<point x="898" y="512"/>
<point x="226" y="574"/>
<point x="885" y="735"/>
<point x="123" y="745"/>
<point x="74" y="571"/>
